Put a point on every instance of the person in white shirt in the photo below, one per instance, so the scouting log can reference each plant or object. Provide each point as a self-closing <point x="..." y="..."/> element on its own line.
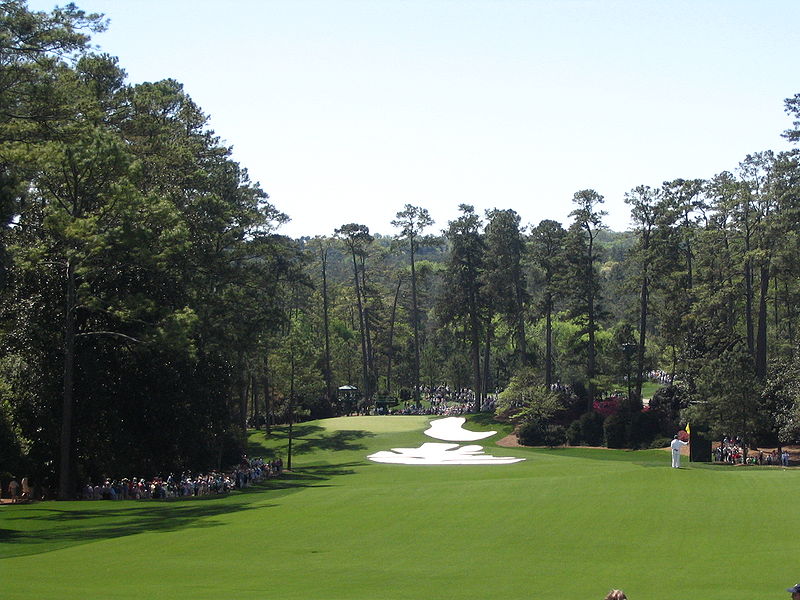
<point x="676" y="452"/>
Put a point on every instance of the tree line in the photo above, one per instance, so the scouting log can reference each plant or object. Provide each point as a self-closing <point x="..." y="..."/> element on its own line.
<point x="140" y="268"/>
<point x="151" y="311"/>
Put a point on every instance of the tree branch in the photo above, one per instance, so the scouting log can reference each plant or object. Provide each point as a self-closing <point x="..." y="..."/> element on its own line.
<point x="111" y="333"/>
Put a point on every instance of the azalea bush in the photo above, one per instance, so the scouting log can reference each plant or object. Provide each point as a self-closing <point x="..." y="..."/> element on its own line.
<point x="606" y="407"/>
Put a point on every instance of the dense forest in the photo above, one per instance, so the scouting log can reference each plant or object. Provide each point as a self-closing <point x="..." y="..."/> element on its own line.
<point x="151" y="311"/>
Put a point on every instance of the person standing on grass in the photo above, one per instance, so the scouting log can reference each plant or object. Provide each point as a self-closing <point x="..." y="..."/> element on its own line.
<point x="13" y="488"/>
<point x="676" y="446"/>
<point x="795" y="591"/>
<point x="616" y="595"/>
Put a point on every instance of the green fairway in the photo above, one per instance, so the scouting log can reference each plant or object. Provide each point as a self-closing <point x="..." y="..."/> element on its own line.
<point x="565" y="523"/>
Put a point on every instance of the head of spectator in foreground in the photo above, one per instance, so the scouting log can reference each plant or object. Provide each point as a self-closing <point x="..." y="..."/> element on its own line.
<point x="795" y="591"/>
<point x="616" y="595"/>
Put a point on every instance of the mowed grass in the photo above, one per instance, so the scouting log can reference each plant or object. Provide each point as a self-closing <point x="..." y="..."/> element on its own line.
<point x="565" y="523"/>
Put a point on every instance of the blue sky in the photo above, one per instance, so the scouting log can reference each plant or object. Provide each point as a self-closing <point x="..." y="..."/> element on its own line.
<point x="345" y="111"/>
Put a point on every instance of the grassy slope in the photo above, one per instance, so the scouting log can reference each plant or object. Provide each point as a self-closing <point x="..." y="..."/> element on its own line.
<point x="563" y="524"/>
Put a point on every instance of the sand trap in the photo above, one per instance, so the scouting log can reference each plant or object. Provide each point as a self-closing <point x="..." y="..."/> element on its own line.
<point x="450" y="429"/>
<point x="432" y="453"/>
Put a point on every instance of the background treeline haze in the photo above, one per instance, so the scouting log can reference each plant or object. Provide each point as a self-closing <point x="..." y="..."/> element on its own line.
<point x="150" y="310"/>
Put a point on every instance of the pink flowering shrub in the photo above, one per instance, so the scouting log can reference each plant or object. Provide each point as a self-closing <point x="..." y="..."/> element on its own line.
<point x="606" y="407"/>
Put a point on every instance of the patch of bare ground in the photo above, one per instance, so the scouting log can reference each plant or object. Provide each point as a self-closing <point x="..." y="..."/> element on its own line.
<point x="510" y="441"/>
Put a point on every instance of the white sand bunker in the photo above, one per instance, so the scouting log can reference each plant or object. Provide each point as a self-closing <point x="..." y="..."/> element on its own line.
<point x="450" y="429"/>
<point x="432" y="453"/>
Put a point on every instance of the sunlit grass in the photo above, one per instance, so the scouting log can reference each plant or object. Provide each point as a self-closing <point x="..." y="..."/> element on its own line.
<point x="565" y="523"/>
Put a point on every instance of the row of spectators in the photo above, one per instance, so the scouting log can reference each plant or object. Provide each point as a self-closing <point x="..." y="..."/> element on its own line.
<point x="731" y="451"/>
<point x="769" y="458"/>
<point x="443" y="393"/>
<point x="561" y="387"/>
<point x="249" y="471"/>
<point x="435" y="407"/>
<point x="660" y="376"/>
<point x="438" y="400"/>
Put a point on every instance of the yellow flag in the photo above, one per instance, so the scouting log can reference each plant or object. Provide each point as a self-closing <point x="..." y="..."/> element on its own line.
<point x="689" y="431"/>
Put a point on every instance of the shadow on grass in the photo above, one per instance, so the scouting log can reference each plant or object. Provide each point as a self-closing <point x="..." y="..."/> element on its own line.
<point x="484" y="419"/>
<point x="46" y="526"/>
<point x="307" y="439"/>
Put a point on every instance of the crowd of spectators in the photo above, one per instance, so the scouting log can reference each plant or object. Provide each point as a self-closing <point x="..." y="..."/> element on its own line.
<point x="731" y="450"/>
<point x="660" y="376"/>
<point x="565" y="388"/>
<point x="441" y="400"/>
<point x="436" y="400"/>
<point x="771" y="458"/>
<point x="443" y="393"/>
<point x="249" y="471"/>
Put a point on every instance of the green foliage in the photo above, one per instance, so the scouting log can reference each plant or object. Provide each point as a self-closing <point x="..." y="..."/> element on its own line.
<point x="531" y="433"/>
<point x="525" y="400"/>
<point x="666" y="405"/>
<point x="555" y="435"/>
<point x="661" y="442"/>
<point x="143" y="286"/>
<point x="536" y="433"/>
<point x="779" y="403"/>
<point x="591" y="424"/>
<point x="728" y="385"/>
<point x="642" y="428"/>
<point x="574" y="434"/>
<point x="11" y="448"/>
<point x="140" y="269"/>
<point x="615" y="431"/>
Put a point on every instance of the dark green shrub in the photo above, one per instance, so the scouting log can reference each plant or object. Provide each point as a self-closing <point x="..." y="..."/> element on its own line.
<point x="531" y="433"/>
<point x="573" y="433"/>
<point x="555" y="435"/>
<point x="666" y="404"/>
<point x="592" y="428"/>
<point x="614" y="430"/>
<point x="642" y="428"/>
<point x="11" y="455"/>
<point x="660" y="442"/>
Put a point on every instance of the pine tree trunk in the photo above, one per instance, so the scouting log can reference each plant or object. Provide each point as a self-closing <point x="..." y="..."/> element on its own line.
<point x="761" y="337"/>
<point x="362" y="329"/>
<point x="66" y="484"/>
<point x="390" y="355"/>
<point x="476" y="353"/>
<point x="415" y="319"/>
<point x="748" y="306"/>
<point x="368" y="336"/>
<point x="522" y="344"/>
<point x="591" y="367"/>
<point x="267" y="397"/>
<point x="643" y="311"/>
<point x="548" y="359"/>
<point x="326" y="325"/>
<point x="487" y="354"/>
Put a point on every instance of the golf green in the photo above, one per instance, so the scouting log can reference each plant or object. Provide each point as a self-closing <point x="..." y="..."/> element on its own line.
<point x="564" y="523"/>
